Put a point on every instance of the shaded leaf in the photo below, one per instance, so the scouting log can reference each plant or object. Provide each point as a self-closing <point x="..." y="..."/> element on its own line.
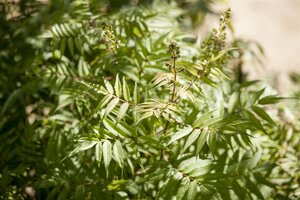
<point x="263" y="114"/>
<point x="183" y="187"/>
<point x="271" y="99"/>
<point x="192" y="191"/>
<point x="83" y="145"/>
<point x="253" y="188"/>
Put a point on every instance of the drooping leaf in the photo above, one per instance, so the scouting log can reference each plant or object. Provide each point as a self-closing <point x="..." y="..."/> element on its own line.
<point x="192" y="191"/>
<point x="201" y="140"/>
<point x="107" y="154"/>
<point x="180" y="134"/>
<point x="111" y="105"/>
<point x="119" y="153"/>
<point x="149" y="140"/>
<point x="62" y="47"/>
<point x="118" y="86"/>
<point x="167" y="191"/>
<point x="123" y="110"/>
<point x="211" y="141"/>
<point x="232" y="102"/>
<point x="136" y="94"/>
<point x="103" y="102"/>
<point x="255" y="121"/>
<point x="263" y="114"/>
<point x="109" y="87"/>
<point x="98" y="152"/>
<point x="71" y="45"/>
<point x="238" y="190"/>
<point x="126" y="91"/>
<point x="271" y="99"/>
<point x="83" y="145"/>
<point x="253" y="188"/>
<point x="191" y="139"/>
<point x="183" y="187"/>
<point x="111" y="127"/>
<point x="255" y="159"/>
<point x="83" y="67"/>
<point x="258" y="94"/>
<point x="145" y="116"/>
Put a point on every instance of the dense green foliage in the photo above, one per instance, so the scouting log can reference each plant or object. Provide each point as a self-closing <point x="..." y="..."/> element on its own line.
<point x="105" y="101"/>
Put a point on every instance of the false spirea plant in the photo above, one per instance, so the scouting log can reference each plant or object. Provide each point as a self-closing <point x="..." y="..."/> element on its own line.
<point x="151" y="115"/>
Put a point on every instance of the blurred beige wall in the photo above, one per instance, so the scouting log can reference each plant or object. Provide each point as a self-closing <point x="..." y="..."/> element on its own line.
<point x="275" y="24"/>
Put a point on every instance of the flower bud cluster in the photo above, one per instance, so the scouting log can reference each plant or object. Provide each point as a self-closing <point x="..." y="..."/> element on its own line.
<point x="109" y="38"/>
<point x="215" y="43"/>
<point x="174" y="50"/>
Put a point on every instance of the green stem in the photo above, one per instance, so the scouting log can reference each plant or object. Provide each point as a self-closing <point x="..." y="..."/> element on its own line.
<point x="173" y="90"/>
<point x="175" y="78"/>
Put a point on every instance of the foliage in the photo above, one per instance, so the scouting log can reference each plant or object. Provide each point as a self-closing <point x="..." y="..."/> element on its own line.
<point x="128" y="106"/>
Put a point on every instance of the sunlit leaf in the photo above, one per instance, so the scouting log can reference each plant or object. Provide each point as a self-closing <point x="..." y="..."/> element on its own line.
<point x="191" y="139"/>
<point x="126" y="91"/>
<point x="136" y="94"/>
<point x="107" y="154"/>
<point x="109" y="87"/>
<point x="118" y="86"/>
<point x="201" y="140"/>
<point x="123" y="110"/>
<point x="98" y="152"/>
<point x="233" y="102"/>
<point x="118" y="153"/>
<point x="180" y="134"/>
<point x="114" y="102"/>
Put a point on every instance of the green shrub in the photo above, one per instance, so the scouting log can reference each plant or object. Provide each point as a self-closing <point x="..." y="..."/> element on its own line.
<point x="135" y="108"/>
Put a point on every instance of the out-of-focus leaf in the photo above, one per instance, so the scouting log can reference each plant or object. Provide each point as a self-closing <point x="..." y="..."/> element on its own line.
<point x="271" y="99"/>
<point x="253" y="188"/>
<point x="263" y="114"/>
<point x="192" y="191"/>
<point x="232" y="102"/>
<point x="183" y="187"/>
